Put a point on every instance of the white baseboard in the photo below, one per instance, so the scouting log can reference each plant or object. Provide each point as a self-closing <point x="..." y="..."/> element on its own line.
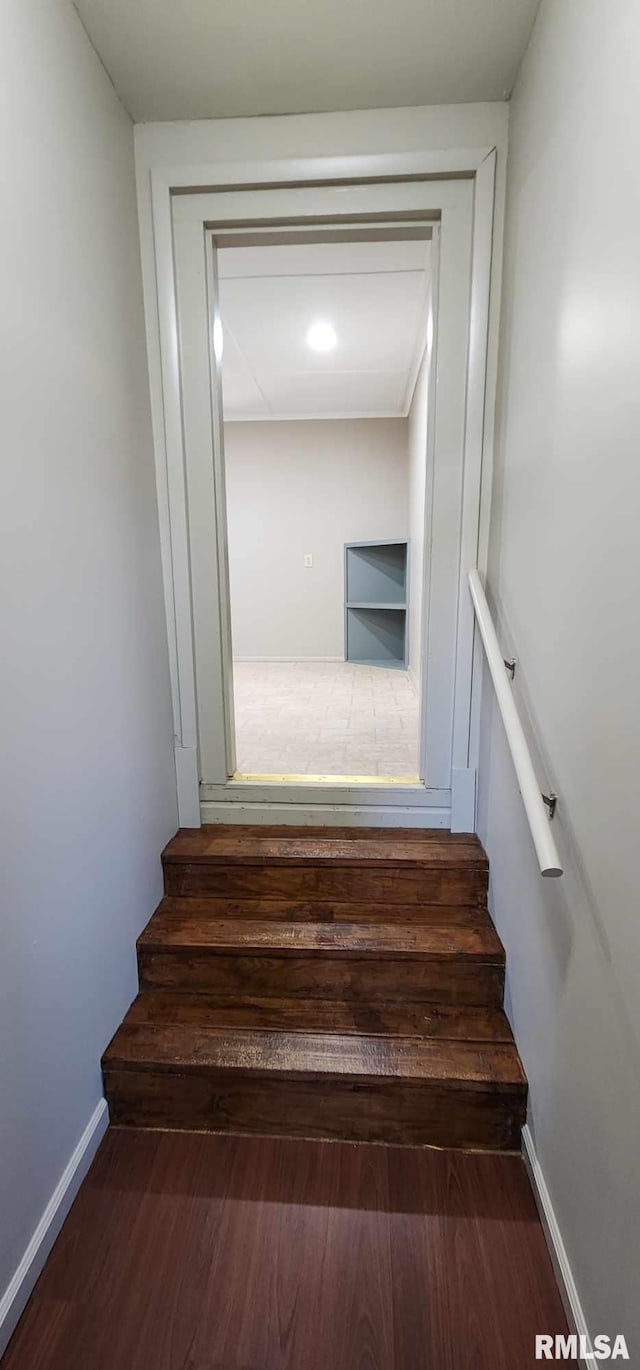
<point x="293" y="659"/>
<point x="557" y="1250"/>
<point x="463" y="799"/>
<point x="187" y="786"/>
<point x="345" y="815"/>
<point x="20" y="1286"/>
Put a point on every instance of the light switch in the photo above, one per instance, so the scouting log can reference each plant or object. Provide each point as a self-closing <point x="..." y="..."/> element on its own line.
<point x="308" y="558"/>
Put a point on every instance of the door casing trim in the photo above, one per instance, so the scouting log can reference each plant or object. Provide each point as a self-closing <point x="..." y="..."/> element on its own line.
<point x="478" y="164"/>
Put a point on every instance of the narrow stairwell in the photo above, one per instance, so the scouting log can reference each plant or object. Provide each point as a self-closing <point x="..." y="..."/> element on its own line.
<point x="331" y="983"/>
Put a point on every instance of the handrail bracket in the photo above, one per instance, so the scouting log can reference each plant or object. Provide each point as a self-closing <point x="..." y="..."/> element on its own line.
<point x="551" y="801"/>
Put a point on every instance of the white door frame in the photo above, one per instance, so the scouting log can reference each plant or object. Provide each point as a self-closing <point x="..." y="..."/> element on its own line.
<point x="457" y="807"/>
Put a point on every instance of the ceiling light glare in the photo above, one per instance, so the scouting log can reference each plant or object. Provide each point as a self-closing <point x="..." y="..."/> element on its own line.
<point x="322" y="337"/>
<point x="218" y="339"/>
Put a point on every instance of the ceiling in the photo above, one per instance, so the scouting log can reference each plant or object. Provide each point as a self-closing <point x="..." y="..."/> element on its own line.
<point x="203" y="59"/>
<point x="374" y="294"/>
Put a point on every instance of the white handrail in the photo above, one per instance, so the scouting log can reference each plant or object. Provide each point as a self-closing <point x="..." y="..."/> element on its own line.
<point x="545" y="846"/>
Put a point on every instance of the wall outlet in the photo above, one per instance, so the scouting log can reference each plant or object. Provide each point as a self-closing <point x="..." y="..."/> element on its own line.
<point x="308" y="558"/>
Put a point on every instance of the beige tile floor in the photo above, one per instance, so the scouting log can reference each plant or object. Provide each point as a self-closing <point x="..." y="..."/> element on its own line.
<point x="324" y="718"/>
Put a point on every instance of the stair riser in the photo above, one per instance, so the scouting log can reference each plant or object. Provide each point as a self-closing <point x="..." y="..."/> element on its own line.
<point x="328" y="912"/>
<point x="387" y="886"/>
<point x="393" y="1112"/>
<point x="318" y="977"/>
<point x="450" y="1022"/>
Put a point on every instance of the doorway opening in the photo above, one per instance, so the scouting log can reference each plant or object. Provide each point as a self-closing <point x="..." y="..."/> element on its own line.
<point x="325" y="377"/>
<point x="440" y="790"/>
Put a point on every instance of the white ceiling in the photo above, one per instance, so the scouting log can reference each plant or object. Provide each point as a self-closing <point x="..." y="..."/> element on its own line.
<point x="373" y="293"/>
<point x="202" y="59"/>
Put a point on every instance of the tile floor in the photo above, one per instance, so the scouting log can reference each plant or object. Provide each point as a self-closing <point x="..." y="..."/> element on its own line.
<point x="324" y="718"/>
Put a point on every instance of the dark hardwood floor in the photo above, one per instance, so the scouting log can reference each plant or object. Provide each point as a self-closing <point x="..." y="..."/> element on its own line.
<point x="192" y="1251"/>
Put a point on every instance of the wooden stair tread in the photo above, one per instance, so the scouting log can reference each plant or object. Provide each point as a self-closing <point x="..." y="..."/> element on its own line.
<point x="318" y="910"/>
<point x="251" y="846"/>
<point x="248" y="831"/>
<point x="492" y="1068"/>
<point x="467" y="1023"/>
<point x="391" y="941"/>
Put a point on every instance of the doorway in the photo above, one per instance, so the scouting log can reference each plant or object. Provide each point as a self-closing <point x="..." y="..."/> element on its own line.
<point x="202" y="223"/>
<point x="325" y="374"/>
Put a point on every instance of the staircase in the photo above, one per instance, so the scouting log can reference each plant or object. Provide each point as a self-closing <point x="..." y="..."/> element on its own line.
<point x="324" y="982"/>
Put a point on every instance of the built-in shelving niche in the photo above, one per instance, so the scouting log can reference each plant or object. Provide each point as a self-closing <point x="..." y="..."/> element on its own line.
<point x="376" y="578"/>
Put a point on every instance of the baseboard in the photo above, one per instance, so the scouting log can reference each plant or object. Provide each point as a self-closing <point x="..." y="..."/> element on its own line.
<point x="293" y="659"/>
<point x="187" y="786"/>
<point x="557" y="1250"/>
<point x="341" y="815"/>
<point x="21" y="1285"/>
<point x="463" y="799"/>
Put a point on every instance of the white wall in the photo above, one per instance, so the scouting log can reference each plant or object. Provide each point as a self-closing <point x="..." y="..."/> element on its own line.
<point x="306" y="486"/>
<point x="417" y="451"/>
<point x="88" y="784"/>
<point x="564" y="577"/>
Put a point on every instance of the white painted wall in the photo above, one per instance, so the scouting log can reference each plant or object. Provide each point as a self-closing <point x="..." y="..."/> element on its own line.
<point x="564" y="575"/>
<point x="306" y="486"/>
<point x="417" y="453"/>
<point x="88" y="784"/>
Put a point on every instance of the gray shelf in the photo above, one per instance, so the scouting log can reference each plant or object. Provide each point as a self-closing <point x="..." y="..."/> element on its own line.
<point x="366" y="605"/>
<point x="376" y="602"/>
